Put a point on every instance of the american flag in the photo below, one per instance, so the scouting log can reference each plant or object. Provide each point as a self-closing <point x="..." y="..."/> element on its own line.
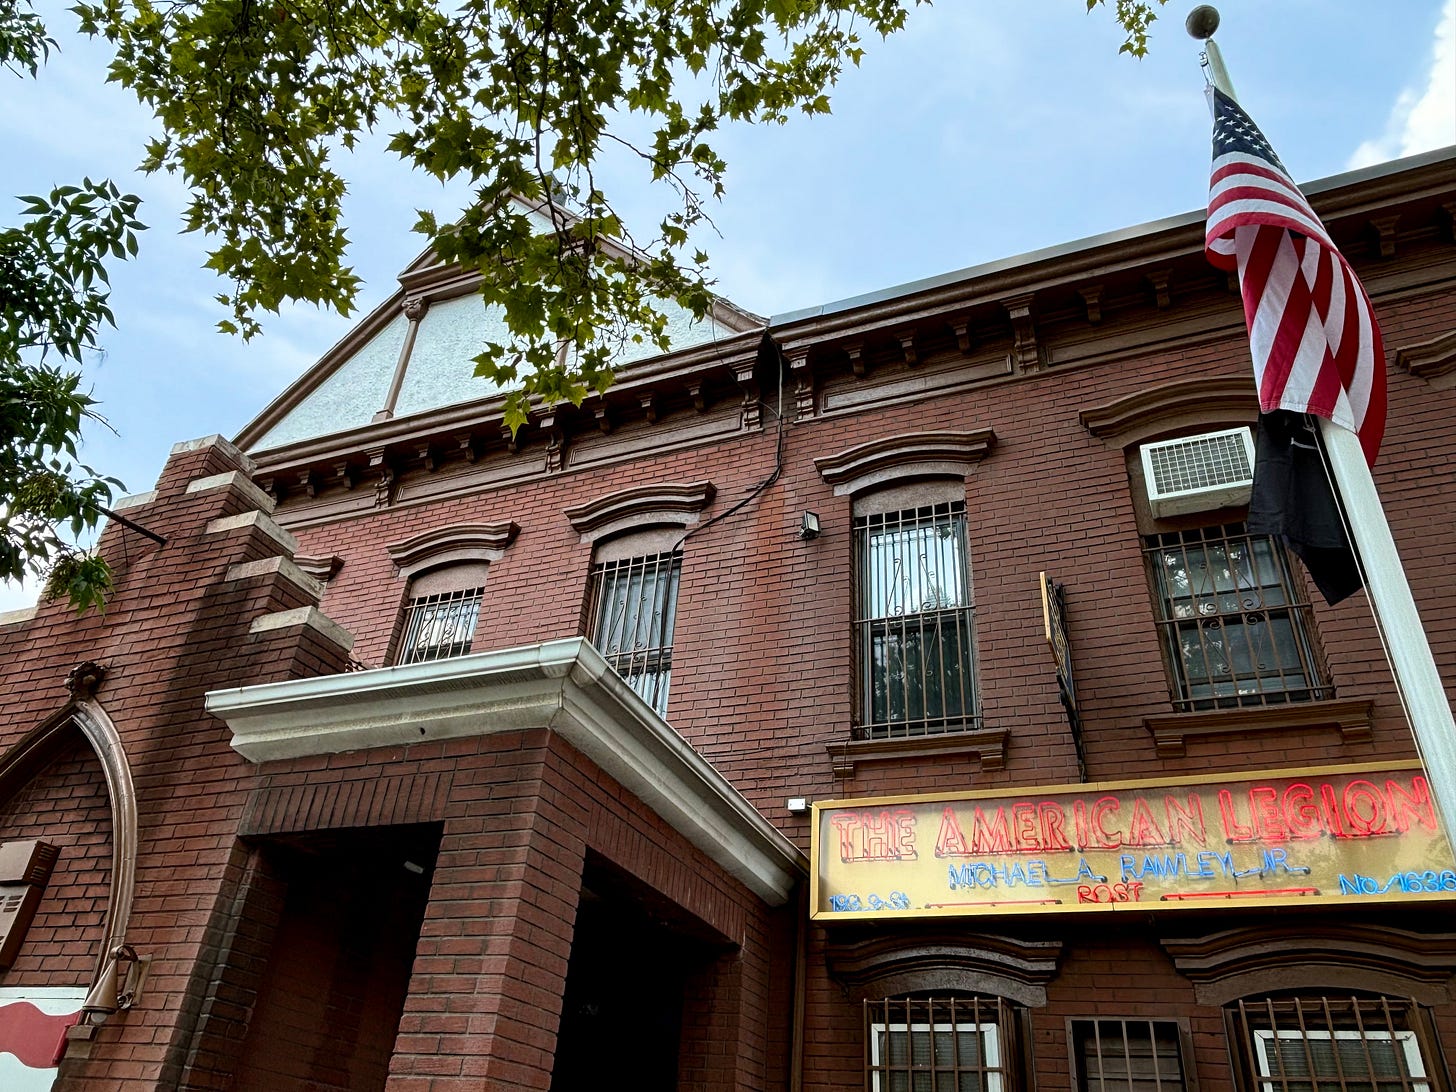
<point x="1312" y="331"/>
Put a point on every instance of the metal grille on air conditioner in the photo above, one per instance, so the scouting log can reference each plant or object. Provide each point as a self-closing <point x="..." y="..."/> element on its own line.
<point x="1199" y="473"/>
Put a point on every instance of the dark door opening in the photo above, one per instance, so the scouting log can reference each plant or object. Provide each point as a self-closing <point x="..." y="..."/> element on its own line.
<point x="338" y="969"/>
<point x="622" y="1009"/>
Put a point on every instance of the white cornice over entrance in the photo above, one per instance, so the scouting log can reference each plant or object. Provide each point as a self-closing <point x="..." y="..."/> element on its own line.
<point x="565" y="686"/>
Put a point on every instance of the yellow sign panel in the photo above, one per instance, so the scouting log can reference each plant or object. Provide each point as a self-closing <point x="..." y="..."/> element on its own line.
<point x="1346" y="835"/>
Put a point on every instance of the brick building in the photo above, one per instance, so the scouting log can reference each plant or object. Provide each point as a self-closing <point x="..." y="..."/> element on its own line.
<point x="710" y="736"/>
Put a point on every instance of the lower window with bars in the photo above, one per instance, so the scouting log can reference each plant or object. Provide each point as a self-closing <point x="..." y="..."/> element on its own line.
<point x="630" y="620"/>
<point x="1334" y="1044"/>
<point x="1235" y="624"/>
<point x="913" y="623"/>
<point x="939" y="1044"/>
<point x="1130" y="1056"/>
<point x="437" y="627"/>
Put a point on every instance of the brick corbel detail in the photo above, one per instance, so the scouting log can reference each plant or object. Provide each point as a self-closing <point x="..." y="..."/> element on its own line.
<point x="1433" y="360"/>
<point x="1025" y="352"/>
<point x="752" y="411"/>
<point x="802" y="373"/>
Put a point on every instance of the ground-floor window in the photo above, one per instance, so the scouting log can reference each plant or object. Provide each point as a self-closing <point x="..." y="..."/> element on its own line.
<point x="1333" y="1044"/>
<point x="1129" y="1055"/>
<point x="956" y="1043"/>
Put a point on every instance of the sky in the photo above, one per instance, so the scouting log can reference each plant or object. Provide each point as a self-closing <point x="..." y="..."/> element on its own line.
<point x="985" y="129"/>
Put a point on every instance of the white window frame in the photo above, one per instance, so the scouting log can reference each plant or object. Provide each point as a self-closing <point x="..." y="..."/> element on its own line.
<point x="989" y="1034"/>
<point x="1415" y="1065"/>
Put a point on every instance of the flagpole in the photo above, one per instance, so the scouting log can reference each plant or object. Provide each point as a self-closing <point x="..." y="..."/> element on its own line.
<point x="1412" y="663"/>
<point x="1395" y="608"/>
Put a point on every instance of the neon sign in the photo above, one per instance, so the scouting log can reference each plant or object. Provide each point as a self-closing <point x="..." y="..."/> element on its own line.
<point x="1337" y="834"/>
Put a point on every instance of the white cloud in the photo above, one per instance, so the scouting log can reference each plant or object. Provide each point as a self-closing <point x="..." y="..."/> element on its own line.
<point x="1424" y="117"/>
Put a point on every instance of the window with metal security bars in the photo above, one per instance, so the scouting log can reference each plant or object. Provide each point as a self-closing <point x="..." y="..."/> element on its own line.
<point x="1234" y="623"/>
<point x="1333" y="1044"/>
<point x="437" y="627"/>
<point x="913" y="622"/>
<point x="940" y="1044"/>
<point x="630" y="620"/>
<point x="1128" y="1056"/>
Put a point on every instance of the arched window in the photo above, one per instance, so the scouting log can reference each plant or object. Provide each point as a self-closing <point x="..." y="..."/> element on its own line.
<point x="914" y="613"/>
<point x="1232" y="614"/>
<point x="446" y="571"/>
<point x="914" y="607"/>
<point x="631" y="604"/>
<point x="948" y="1041"/>
<point x="631" y="608"/>
<point x="441" y="615"/>
<point x="1333" y="1043"/>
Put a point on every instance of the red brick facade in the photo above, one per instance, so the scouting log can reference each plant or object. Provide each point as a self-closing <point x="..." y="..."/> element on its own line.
<point x="516" y="873"/>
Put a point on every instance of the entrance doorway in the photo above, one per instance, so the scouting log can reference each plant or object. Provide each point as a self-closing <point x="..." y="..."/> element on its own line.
<point x="632" y="957"/>
<point x="350" y="905"/>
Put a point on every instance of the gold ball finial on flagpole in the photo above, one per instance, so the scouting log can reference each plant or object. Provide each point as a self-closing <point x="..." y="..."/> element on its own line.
<point x="1202" y="21"/>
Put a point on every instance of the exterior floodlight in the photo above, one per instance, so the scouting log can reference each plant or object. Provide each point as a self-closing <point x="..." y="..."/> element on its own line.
<point x="116" y="987"/>
<point x="796" y="805"/>
<point x="809" y="526"/>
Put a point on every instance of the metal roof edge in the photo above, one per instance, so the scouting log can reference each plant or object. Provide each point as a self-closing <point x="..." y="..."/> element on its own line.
<point x="1093" y="242"/>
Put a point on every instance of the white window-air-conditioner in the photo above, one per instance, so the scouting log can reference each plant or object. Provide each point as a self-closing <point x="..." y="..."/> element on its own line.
<point x="1199" y="473"/>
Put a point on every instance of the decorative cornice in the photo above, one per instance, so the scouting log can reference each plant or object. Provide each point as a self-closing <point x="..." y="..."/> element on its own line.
<point x="667" y="375"/>
<point x="1431" y="359"/>
<point x="883" y="965"/>
<point x="1170" y="731"/>
<point x="676" y="504"/>
<point x="452" y="545"/>
<point x="1344" y="202"/>
<point x="565" y="686"/>
<point x="1145" y="412"/>
<point x="1235" y="963"/>
<point x="912" y="455"/>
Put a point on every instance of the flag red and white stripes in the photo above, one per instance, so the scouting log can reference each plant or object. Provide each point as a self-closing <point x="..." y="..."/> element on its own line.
<point x="1312" y="331"/>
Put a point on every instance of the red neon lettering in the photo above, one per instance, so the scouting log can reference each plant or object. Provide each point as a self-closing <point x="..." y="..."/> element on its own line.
<point x="1144" y="829"/>
<point x="1053" y="827"/>
<point x="1079" y="818"/>
<point x="1131" y="891"/>
<point x="1334" y="822"/>
<point x="1416" y="804"/>
<point x="1107" y="839"/>
<point x="876" y="836"/>
<point x="1185" y="824"/>
<point x="1023" y="821"/>
<point x="950" y="842"/>
<point x="991" y="835"/>
<point x="1301" y="811"/>
<point x="1265" y="812"/>
<point x="1233" y="830"/>
<point x="905" y="834"/>
<point x="878" y="832"/>
<point x="1365" y="809"/>
<point x="845" y="822"/>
